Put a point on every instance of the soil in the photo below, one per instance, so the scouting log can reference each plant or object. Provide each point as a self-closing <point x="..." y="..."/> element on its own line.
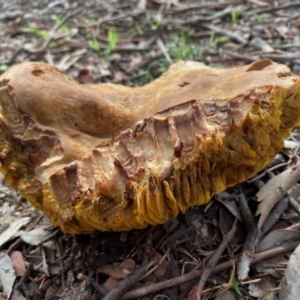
<point x="132" y="43"/>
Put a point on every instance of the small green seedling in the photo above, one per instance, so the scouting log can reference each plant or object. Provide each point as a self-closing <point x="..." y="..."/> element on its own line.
<point x="43" y="34"/>
<point x="213" y="40"/>
<point x="153" y="25"/>
<point x="3" y="66"/>
<point x="94" y="44"/>
<point x="112" y="37"/>
<point x="139" y="30"/>
<point x="236" y="287"/>
<point x="235" y="14"/>
<point x="260" y="18"/>
<point x="180" y="49"/>
<point x="57" y="20"/>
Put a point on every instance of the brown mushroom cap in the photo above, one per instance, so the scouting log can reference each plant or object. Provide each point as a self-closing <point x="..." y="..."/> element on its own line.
<point x="110" y="157"/>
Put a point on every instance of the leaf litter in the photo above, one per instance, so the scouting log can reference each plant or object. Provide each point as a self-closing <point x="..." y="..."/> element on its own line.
<point x="133" y="42"/>
<point x="7" y="276"/>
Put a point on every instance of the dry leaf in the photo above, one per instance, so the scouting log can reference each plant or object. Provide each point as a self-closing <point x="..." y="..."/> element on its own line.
<point x="161" y="269"/>
<point x="227" y="295"/>
<point x="18" y="262"/>
<point x="261" y="44"/>
<point x="294" y="192"/>
<point x="277" y="238"/>
<point x="7" y="275"/>
<point x="34" y="237"/>
<point x="229" y="202"/>
<point x="290" y="144"/>
<point x="125" y="267"/>
<point x="121" y="271"/>
<point x="114" y="271"/>
<point x="263" y="289"/>
<point x="17" y="295"/>
<point x="13" y="230"/>
<point x="274" y="190"/>
<point x="274" y="266"/>
<point x="44" y="263"/>
<point x="290" y="282"/>
<point x="69" y="59"/>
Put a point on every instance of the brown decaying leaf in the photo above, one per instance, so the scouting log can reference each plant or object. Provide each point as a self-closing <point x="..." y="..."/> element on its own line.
<point x="227" y="295"/>
<point x="17" y="295"/>
<point x="44" y="263"/>
<point x="248" y="252"/>
<point x="227" y="200"/>
<point x="263" y="288"/>
<point x="278" y="237"/>
<point x="274" y="190"/>
<point x="18" y="262"/>
<point x="115" y="271"/>
<point x="290" y="283"/>
<point x="124" y="269"/>
<point x="259" y="43"/>
<point x="161" y="269"/>
<point x="273" y="266"/>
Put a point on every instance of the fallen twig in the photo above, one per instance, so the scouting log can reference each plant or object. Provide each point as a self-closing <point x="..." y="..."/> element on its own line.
<point x="147" y="247"/>
<point x="294" y="204"/>
<point x="52" y="32"/>
<point x="248" y="251"/>
<point x="281" y="57"/>
<point x="60" y="254"/>
<point x="208" y="18"/>
<point x="99" y="288"/>
<point x="211" y="264"/>
<point x="274" y="8"/>
<point x="233" y="36"/>
<point x="164" y="50"/>
<point x="178" y="234"/>
<point x="49" y="237"/>
<point x="41" y="292"/>
<point x="274" y="216"/>
<point x="194" y="7"/>
<point x="126" y="283"/>
<point x="196" y="273"/>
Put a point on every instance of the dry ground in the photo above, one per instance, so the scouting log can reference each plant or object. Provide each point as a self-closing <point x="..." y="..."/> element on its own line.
<point x="133" y="42"/>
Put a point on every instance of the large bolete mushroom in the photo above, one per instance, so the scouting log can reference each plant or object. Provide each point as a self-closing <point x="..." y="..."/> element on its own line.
<point x="110" y="157"/>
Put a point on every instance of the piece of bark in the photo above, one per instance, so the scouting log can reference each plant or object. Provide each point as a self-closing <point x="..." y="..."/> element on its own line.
<point x="274" y="190"/>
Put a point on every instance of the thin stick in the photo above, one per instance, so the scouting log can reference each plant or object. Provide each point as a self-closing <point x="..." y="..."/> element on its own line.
<point x="211" y="264"/>
<point x="126" y="283"/>
<point x="164" y="50"/>
<point x="53" y="30"/>
<point x="140" y="292"/>
<point x="247" y="254"/>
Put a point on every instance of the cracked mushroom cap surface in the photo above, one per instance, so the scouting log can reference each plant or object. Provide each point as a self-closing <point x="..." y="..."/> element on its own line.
<point x="111" y="158"/>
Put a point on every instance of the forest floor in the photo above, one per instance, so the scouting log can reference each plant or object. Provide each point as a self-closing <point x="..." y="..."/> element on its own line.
<point x="133" y="42"/>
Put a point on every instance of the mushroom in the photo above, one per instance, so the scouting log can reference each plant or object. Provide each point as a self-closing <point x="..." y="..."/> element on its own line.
<point x="112" y="158"/>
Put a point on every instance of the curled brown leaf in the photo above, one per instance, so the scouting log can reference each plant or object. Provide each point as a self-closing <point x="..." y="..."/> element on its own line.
<point x="274" y="190"/>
